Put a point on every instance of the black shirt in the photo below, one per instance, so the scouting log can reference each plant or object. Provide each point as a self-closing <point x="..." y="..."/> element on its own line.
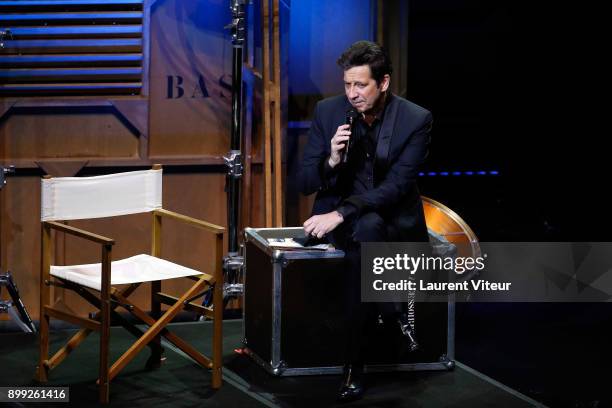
<point x="362" y="154"/>
<point x="361" y="158"/>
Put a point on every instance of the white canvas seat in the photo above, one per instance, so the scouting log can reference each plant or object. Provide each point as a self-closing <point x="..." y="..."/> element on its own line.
<point x="135" y="269"/>
<point x="76" y="198"/>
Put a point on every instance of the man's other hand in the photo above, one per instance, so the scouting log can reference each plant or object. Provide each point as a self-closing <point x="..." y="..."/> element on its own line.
<point x="320" y="225"/>
<point x="337" y="144"/>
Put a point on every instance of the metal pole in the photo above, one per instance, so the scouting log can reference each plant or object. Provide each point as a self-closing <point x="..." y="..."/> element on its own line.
<point x="233" y="262"/>
<point x="233" y="159"/>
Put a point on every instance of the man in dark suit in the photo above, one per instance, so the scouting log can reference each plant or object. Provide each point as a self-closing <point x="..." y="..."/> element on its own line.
<point x="372" y="196"/>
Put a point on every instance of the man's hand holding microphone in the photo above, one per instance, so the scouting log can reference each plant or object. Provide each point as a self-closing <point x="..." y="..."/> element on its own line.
<point x="338" y="142"/>
<point x="320" y="225"/>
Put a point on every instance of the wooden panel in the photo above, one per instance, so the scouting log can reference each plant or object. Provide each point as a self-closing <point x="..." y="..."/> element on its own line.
<point x="257" y="219"/>
<point x="67" y="60"/>
<point x="62" y="46"/>
<point x="71" y="89"/>
<point x="190" y="80"/>
<point x="186" y="130"/>
<point x="36" y="30"/>
<point x="77" y="31"/>
<point x="24" y="5"/>
<point x="69" y="74"/>
<point x="83" y="135"/>
<point x="68" y="18"/>
<point x="20" y="243"/>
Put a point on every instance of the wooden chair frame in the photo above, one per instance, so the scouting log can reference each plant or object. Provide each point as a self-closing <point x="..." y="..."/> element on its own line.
<point x="110" y="298"/>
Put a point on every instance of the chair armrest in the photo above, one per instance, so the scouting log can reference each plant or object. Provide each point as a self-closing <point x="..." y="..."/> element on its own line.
<point x="216" y="229"/>
<point x="80" y="233"/>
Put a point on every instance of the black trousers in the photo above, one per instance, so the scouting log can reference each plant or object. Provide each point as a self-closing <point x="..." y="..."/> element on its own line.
<point x="360" y="317"/>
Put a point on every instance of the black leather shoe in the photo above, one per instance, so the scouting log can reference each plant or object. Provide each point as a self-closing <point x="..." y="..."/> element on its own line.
<point x="407" y="331"/>
<point x="351" y="388"/>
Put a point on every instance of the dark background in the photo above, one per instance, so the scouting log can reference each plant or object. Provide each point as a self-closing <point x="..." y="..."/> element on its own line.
<point x="515" y="86"/>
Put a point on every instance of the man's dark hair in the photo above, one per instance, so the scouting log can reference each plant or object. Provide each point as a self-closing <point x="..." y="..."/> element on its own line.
<point x="367" y="53"/>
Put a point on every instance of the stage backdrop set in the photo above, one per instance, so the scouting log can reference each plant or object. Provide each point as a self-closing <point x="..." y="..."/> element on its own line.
<point x="98" y="88"/>
<point x="127" y="84"/>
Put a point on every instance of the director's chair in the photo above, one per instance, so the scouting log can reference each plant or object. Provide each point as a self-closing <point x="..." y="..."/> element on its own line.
<point x="71" y="198"/>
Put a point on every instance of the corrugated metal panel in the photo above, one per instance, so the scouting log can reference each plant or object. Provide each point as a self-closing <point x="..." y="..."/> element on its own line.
<point x="57" y="47"/>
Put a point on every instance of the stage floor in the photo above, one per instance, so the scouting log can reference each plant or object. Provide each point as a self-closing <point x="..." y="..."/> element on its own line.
<point x="180" y="382"/>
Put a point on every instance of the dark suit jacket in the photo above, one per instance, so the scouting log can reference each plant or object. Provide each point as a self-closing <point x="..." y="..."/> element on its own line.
<point x="400" y="150"/>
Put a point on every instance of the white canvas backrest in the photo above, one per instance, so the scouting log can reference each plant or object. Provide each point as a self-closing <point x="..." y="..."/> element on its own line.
<point x="73" y="198"/>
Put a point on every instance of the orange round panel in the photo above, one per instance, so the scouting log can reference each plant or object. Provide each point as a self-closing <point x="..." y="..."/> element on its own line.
<point x="445" y="222"/>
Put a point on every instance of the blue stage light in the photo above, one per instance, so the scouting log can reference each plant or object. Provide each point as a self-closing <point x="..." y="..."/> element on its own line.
<point x="460" y="173"/>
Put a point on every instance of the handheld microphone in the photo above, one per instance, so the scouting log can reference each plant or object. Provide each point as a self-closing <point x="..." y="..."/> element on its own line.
<point x="351" y="117"/>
